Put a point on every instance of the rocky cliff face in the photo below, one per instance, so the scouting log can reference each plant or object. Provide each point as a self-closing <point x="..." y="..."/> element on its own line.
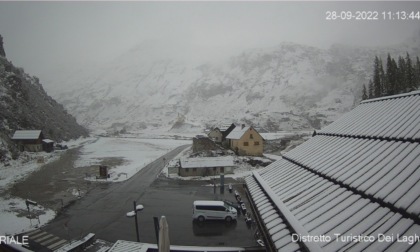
<point x="286" y="87"/>
<point x="25" y="105"/>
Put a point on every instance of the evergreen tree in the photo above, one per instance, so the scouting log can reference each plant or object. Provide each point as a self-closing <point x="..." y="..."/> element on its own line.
<point x="370" y="89"/>
<point x="377" y="89"/>
<point x="409" y="75"/>
<point x="401" y="82"/>
<point x="395" y="69"/>
<point x="417" y="73"/>
<point x="391" y="75"/>
<point x="364" y="93"/>
<point x="400" y="77"/>
<point x="382" y="79"/>
<point x="2" y="52"/>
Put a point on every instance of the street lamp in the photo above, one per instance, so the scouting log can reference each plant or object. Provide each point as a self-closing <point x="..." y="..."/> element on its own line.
<point x="137" y="208"/>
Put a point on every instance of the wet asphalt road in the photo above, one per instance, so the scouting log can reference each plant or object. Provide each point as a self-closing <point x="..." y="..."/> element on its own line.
<point x="103" y="211"/>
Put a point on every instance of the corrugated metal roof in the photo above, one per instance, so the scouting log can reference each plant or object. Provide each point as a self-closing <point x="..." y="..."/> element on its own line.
<point x="26" y="134"/>
<point x="205" y="162"/>
<point x="358" y="176"/>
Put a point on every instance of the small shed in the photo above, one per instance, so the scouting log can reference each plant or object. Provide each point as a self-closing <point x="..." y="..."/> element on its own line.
<point x="28" y="140"/>
<point x="206" y="166"/>
<point x="48" y="145"/>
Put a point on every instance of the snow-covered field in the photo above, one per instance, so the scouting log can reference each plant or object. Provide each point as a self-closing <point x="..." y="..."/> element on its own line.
<point x="13" y="210"/>
<point x="283" y="134"/>
<point x="135" y="153"/>
<point x="132" y="154"/>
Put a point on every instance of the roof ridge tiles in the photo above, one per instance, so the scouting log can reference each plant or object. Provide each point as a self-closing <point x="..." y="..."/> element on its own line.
<point x="394" y="139"/>
<point x="391" y="97"/>
<point x="362" y="194"/>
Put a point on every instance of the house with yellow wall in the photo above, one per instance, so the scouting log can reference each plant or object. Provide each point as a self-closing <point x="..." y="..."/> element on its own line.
<point x="246" y="141"/>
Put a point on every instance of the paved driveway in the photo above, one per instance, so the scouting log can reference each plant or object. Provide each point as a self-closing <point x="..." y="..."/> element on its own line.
<point x="103" y="211"/>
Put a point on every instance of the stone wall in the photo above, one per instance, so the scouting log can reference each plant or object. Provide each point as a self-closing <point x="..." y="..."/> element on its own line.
<point x="203" y="144"/>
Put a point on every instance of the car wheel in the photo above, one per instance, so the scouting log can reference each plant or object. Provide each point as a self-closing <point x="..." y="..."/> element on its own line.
<point x="201" y="218"/>
<point x="228" y="219"/>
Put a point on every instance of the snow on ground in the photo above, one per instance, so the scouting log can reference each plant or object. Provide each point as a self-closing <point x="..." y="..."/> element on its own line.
<point x="13" y="216"/>
<point x="27" y="163"/>
<point x="133" y="154"/>
<point x="283" y="134"/>
<point x="13" y="211"/>
<point x="136" y="153"/>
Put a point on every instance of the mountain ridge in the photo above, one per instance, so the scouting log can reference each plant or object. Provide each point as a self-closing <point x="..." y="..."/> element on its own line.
<point x="24" y="105"/>
<point x="286" y="87"/>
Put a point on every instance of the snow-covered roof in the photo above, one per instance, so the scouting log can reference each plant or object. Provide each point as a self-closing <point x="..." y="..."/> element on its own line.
<point x="206" y="162"/>
<point x="26" y="134"/>
<point x="358" y="176"/>
<point x="215" y="130"/>
<point x="208" y="203"/>
<point x="237" y="132"/>
<point x="393" y="117"/>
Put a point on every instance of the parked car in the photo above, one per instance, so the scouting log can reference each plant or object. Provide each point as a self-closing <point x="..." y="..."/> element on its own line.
<point x="213" y="210"/>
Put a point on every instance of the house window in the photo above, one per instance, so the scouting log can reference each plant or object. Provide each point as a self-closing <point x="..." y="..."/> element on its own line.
<point x="256" y="143"/>
<point x="194" y="169"/>
<point x="251" y="136"/>
<point x="246" y="144"/>
<point x="186" y="170"/>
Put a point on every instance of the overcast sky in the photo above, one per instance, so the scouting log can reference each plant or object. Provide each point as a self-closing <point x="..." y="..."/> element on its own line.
<point x="39" y="36"/>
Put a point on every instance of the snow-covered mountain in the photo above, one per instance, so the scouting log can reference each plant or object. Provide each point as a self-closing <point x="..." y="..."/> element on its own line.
<point x="289" y="86"/>
<point x="24" y="105"/>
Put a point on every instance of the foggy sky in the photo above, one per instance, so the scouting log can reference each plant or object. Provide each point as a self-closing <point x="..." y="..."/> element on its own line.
<point x="40" y="36"/>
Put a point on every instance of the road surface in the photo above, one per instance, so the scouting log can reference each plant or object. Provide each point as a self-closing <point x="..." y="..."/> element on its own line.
<point x="103" y="210"/>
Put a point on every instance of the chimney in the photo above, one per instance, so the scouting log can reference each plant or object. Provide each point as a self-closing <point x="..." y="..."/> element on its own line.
<point x="243" y="126"/>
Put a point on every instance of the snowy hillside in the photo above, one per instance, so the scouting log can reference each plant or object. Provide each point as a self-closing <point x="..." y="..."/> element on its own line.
<point x="286" y="87"/>
<point x="25" y="105"/>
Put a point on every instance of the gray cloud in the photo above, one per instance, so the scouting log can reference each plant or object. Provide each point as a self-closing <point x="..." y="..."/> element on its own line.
<point x="43" y="35"/>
